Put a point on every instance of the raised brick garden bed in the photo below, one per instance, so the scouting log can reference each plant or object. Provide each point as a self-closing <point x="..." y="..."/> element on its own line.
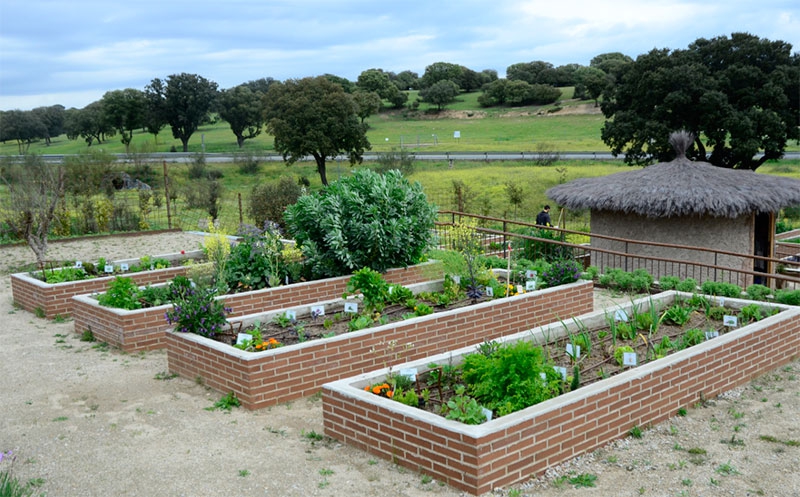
<point x="262" y="379"/>
<point x="143" y="329"/>
<point x="511" y="448"/>
<point x="55" y="299"/>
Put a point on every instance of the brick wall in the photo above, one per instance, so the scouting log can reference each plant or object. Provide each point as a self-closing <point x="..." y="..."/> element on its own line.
<point x="263" y="379"/>
<point x="510" y="449"/>
<point x="143" y="329"/>
<point x="56" y="299"/>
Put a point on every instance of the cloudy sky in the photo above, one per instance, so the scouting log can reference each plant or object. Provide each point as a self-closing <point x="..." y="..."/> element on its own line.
<point x="71" y="53"/>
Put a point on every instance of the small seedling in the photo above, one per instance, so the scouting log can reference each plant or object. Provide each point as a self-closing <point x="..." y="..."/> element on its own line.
<point x="636" y="432"/>
<point x="87" y="335"/>
<point x="165" y="375"/>
<point x="426" y="479"/>
<point x="726" y="469"/>
<point x="682" y="412"/>
<point x="687" y="482"/>
<point x="583" y="480"/>
<point x="312" y="435"/>
<point x="244" y="472"/>
<point x="226" y="403"/>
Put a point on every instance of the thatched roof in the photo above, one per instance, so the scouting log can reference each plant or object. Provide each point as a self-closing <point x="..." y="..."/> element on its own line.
<point x="680" y="188"/>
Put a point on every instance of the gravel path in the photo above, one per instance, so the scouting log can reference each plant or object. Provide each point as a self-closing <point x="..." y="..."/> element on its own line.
<point x="83" y="420"/>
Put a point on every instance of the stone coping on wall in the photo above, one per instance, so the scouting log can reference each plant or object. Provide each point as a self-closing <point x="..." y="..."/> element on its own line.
<point x="262" y="379"/>
<point x="143" y="329"/>
<point x="54" y="299"/>
<point x="511" y="448"/>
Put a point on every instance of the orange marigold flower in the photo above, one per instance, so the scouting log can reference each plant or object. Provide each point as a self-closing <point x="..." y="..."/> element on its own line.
<point x="376" y="390"/>
<point x="389" y="394"/>
<point x="366" y="388"/>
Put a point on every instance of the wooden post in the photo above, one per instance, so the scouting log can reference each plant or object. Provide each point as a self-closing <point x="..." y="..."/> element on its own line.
<point x="166" y="194"/>
<point x="241" y="219"/>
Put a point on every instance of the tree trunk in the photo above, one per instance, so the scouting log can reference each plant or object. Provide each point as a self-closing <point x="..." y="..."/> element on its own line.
<point x="185" y="142"/>
<point x="321" y="168"/>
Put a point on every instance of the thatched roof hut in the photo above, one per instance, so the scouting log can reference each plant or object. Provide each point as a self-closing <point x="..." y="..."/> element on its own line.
<point x="680" y="188"/>
<point x="686" y="203"/>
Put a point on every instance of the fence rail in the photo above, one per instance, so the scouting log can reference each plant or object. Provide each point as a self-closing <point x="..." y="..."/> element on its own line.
<point x="502" y="237"/>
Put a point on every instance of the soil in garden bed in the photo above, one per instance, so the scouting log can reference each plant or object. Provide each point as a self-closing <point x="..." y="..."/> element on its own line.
<point x="336" y="321"/>
<point x="598" y="363"/>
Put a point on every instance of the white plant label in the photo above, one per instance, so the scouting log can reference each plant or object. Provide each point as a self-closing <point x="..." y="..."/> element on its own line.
<point x="391" y="289"/>
<point x="317" y="310"/>
<point x="573" y="351"/>
<point x="351" y="307"/>
<point x="629" y="359"/>
<point x="456" y="279"/>
<point x="530" y="274"/>
<point x="410" y="373"/>
<point x="291" y="315"/>
<point x="123" y="266"/>
<point x="620" y="315"/>
<point x="712" y="334"/>
<point x="722" y="301"/>
<point x="108" y="268"/>
<point x="730" y="321"/>
<point x="489" y="291"/>
<point x="78" y="263"/>
<point x="520" y="289"/>
<point x="530" y="285"/>
<point x="562" y="371"/>
<point x="543" y="376"/>
<point x="487" y="413"/>
<point x="241" y="337"/>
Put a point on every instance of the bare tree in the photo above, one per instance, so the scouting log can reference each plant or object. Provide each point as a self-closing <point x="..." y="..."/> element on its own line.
<point x="35" y="189"/>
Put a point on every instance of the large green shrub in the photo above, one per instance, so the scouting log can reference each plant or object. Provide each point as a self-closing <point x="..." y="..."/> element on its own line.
<point x="268" y="200"/>
<point x="365" y="220"/>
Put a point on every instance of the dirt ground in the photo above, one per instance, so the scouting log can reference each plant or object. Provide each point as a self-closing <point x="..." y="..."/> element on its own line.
<point x="84" y="420"/>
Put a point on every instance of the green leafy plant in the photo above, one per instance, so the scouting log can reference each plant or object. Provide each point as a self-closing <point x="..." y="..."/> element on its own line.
<point x="788" y="297"/>
<point x="668" y="282"/>
<point x="689" y="285"/>
<point x="372" y="286"/>
<point x="257" y="260"/>
<point x="360" y="322"/>
<point x="758" y="292"/>
<point x="619" y="354"/>
<point x="510" y="378"/>
<point x="721" y="289"/>
<point x="407" y="397"/>
<point x="692" y="337"/>
<point x="364" y="220"/>
<point x="225" y="403"/>
<point x="461" y="407"/>
<point x="561" y="272"/>
<point x="122" y="293"/>
<point x="678" y="314"/>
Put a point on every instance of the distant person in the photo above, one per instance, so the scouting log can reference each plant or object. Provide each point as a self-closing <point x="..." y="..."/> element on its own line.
<point x="543" y="218"/>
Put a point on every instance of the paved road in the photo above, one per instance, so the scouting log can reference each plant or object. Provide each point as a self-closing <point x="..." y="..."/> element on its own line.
<point x="429" y="156"/>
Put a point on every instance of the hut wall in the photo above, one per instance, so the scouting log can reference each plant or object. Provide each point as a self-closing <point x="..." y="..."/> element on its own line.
<point x="733" y="235"/>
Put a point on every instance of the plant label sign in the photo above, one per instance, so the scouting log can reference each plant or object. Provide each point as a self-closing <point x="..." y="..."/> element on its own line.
<point x="410" y="373"/>
<point x="543" y="376"/>
<point x="620" y="315"/>
<point x="241" y="337"/>
<point x="390" y="290"/>
<point x="456" y="279"/>
<point x="108" y="268"/>
<point x="730" y="321"/>
<point x="351" y="307"/>
<point x="79" y="264"/>
<point x="291" y="315"/>
<point x="573" y="351"/>
<point x="487" y="412"/>
<point x="123" y="266"/>
<point x="520" y="289"/>
<point x="489" y="291"/>
<point x="562" y="371"/>
<point x="317" y="311"/>
<point x="722" y="301"/>
<point x="530" y="274"/>
<point x="629" y="359"/>
<point x="530" y="285"/>
<point x="712" y="334"/>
